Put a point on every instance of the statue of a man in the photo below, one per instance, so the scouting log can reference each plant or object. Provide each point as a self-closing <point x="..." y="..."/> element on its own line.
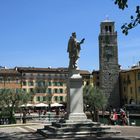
<point x="74" y="50"/>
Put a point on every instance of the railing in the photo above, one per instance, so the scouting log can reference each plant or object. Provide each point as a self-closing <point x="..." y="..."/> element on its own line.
<point x="34" y="118"/>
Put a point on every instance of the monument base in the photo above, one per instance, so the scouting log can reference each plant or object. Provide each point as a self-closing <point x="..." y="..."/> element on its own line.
<point x="77" y="117"/>
<point x="70" y="129"/>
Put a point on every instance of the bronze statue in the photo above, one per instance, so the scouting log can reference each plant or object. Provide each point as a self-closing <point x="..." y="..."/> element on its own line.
<point x="74" y="50"/>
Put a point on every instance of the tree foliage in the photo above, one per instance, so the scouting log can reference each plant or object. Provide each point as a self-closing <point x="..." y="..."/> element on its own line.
<point x="94" y="100"/>
<point x="134" y="20"/>
<point x="12" y="99"/>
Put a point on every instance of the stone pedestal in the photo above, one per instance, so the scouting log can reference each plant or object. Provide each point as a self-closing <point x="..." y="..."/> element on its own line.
<point x="75" y="97"/>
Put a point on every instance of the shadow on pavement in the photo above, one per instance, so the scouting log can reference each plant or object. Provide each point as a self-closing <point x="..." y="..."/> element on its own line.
<point x="21" y="136"/>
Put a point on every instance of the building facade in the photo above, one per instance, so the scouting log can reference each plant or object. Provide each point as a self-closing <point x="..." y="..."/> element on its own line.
<point x="108" y="62"/>
<point x="10" y="79"/>
<point x="96" y="77"/>
<point x="130" y="85"/>
<point x="45" y="84"/>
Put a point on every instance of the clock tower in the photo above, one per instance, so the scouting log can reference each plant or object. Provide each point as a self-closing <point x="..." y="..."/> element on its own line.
<point x="108" y="61"/>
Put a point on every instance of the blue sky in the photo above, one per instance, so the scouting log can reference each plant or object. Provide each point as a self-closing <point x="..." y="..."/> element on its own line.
<point x="35" y="33"/>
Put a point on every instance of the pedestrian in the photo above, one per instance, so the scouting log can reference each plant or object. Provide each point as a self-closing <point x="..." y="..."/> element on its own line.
<point x="24" y="117"/>
<point x="114" y="117"/>
<point x="123" y="117"/>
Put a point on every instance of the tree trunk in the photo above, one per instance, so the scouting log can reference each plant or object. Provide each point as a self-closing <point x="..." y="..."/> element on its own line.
<point x="96" y="115"/>
<point x="12" y="119"/>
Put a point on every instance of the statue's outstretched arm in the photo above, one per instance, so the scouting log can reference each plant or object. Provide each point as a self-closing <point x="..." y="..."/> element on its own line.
<point x="82" y="41"/>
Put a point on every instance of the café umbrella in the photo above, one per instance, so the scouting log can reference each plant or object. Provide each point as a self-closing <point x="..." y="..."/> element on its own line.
<point x="27" y="105"/>
<point x="41" y="105"/>
<point x="56" y="105"/>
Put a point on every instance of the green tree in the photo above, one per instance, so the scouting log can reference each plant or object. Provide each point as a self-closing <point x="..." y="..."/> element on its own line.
<point x="11" y="99"/>
<point x="94" y="100"/>
<point x="134" y="20"/>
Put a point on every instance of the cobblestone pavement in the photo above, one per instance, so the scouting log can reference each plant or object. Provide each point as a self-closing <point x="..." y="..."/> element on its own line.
<point x="28" y="132"/>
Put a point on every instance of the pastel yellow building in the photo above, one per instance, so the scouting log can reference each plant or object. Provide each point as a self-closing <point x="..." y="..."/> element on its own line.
<point x="130" y="85"/>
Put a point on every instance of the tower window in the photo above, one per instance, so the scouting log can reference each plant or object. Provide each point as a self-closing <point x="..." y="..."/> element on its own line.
<point x="110" y="29"/>
<point x="106" y="28"/>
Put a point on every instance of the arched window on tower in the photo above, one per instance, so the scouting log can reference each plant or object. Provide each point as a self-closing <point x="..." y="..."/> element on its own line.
<point x="110" y="29"/>
<point x="106" y="29"/>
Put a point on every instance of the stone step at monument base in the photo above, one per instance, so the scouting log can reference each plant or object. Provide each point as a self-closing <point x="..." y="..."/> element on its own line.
<point x="73" y="130"/>
<point x="68" y="123"/>
<point x="60" y="135"/>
